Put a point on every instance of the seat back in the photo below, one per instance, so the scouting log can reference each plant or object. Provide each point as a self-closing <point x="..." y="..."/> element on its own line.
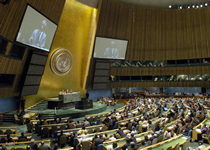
<point x="118" y="136"/>
<point x="154" y="141"/>
<point x="1" y="132"/>
<point x="115" y="125"/>
<point x="8" y="131"/>
<point x="45" y="132"/>
<point x="62" y="139"/>
<point x="185" y="146"/>
<point x="90" y="131"/>
<point x="160" y="138"/>
<point x="98" y="121"/>
<point x="43" y="148"/>
<point x="71" y="126"/>
<point x="129" y="126"/>
<point x="63" y="127"/>
<point x="22" y="139"/>
<point x="176" y="147"/>
<point x="153" y="127"/>
<point x="54" y="128"/>
<point x="104" y="128"/>
<point x="148" y="143"/>
<point x="178" y="131"/>
<point x="86" y="145"/>
<point x="90" y="120"/>
<point x="29" y="127"/>
<point x="93" y="144"/>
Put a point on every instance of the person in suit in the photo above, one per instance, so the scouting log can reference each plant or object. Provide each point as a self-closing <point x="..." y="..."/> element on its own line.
<point x="44" y="146"/>
<point x="4" y="147"/>
<point x="125" y="146"/>
<point x="38" y="36"/>
<point x="132" y="146"/>
<point x="114" y="145"/>
<point x="98" y="141"/>
<point x="33" y="145"/>
<point x="70" y="119"/>
<point x="55" y="147"/>
<point x="111" y="51"/>
<point x="133" y="139"/>
<point x="120" y="131"/>
<point x="22" y="137"/>
<point x="87" y="95"/>
<point x="9" y="138"/>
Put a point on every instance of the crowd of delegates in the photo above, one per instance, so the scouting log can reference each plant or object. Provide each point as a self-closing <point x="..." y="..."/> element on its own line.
<point x="106" y="100"/>
<point x="195" y="114"/>
<point x="8" y="138"/>
<point x="35" y="146"/>
<point x="187" y="112"/>
<point x="121" y="95"/>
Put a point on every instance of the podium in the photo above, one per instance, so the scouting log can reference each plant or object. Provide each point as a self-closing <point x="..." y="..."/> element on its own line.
<point x="84" y="104"/>
<point x="64" y="100"/>
<point x="70" y="97"/>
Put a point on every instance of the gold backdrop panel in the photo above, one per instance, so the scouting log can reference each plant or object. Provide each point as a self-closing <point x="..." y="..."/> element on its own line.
<point x="76" y="33"/>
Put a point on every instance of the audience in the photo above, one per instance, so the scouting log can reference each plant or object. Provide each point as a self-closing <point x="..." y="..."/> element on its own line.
<point x="44" y="146"/>
<point x="177" y="112"/>
<point x="132" y="146"/>
<point x="22" y="137"/>
<point x="33" y="145"/>
<point x="114" y="145"/>
<point x="125" y="146"/>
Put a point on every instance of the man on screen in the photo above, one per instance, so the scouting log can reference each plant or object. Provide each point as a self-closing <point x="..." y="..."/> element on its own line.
<point x="111" y="51"/>
<point x="38" y="36"/>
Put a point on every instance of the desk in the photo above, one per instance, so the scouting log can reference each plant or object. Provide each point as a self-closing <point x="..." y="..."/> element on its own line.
<point x="28" y="115"/>
<point x="15" y="137"/>
<point x="70" y="97"/>
<point x="122" y="141"/>
<point x="157" y="96"/>
<point x="84" y="104"/>
<point x="197" y="130"/>
<point x="143" y="126"/>
<point x="4" y="129"/>
<point x="70" y="131"/>
<point x="109" y="133"/>
<point x="168" y="143"/>
<point x="24" y="144"/>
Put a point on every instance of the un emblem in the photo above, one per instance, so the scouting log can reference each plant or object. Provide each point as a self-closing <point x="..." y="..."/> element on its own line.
<point x="61" y="62"/>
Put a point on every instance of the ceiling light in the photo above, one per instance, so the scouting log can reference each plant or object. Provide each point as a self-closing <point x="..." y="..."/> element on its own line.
<point x="188" y="6"/>
<point x="169" y="6"/>
<point x="193" y="6"/>
<point x="206" y="4"/>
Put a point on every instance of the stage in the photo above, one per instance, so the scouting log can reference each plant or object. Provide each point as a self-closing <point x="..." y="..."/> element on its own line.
<point x="63" y="112"/>
<point x="66" y="111"/>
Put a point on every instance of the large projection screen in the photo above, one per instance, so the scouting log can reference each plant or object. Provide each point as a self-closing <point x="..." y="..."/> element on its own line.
<point x="36" y="30"/>
<point x="108" y="48"/>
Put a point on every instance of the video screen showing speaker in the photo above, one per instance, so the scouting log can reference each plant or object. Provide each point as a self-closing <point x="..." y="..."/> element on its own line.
<point x="108" y="48"/>
<point x="36" y="30"/>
